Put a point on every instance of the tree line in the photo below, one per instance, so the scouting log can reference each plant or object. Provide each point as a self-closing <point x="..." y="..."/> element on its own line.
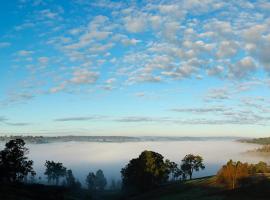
<point x="236" y="174"/>
<point x="15" y="167"/>
<point x="146" y="172"/>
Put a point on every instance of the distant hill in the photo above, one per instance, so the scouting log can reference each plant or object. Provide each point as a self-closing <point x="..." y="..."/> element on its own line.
<point x="264" y="141"/>
<point x="46" y="139"/>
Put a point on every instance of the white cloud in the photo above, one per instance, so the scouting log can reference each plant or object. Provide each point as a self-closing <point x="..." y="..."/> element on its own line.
<point x="84" y="76"/>
<point x="227" y="49"/>
<point x="24" y="53"/>
<point x="215" y="71"/>
<point x="242" y="68"/>
<point x="128" y="42"/>
<point x="135" y="24"/>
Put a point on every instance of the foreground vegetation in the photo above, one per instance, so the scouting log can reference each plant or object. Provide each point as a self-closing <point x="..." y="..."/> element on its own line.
<point x="149" y="176"/>
<point x="205" y="188"/>
<point x="208" y="188"/>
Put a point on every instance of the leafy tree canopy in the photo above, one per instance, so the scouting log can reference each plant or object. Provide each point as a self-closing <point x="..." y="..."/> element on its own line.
<point x="191" y="163"/>
<point x="145" y="172"/>
<point x="96" y="182"/>
<point x="14" y="164"/>
<point x="54" y="171"/>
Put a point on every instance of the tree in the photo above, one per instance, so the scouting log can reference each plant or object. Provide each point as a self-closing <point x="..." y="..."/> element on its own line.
<point x="54" y="171"/>
<point x="71" y="182"/>
<point x="261" y="167"/>
<point x="91" y="181"/>
<point x="113" y="185"/>
<point x="145" y="172"/>
<point x="173" y="169"/>
<point x="101" y="181"/>
<point x="14" y="165"/>
<point x="232" y="173"/>
<point x="191" y="163"/>
<point x="96" y="182"/>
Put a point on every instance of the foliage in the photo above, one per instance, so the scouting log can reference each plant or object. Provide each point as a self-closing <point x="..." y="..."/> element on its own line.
<point x="101" y="181"/>
<point x="260" y="167"/>
<point x="71" y="182"/>
<point x="90" y="181"/>
<point x="232" y="173"/>
<point x="14" y="165"/>
<point x="96" y="182"/>
<point x="173" y="169"/>
<point x="191" y="163"/>
<point x="145" y="172"/>
<point x="54" y="171"/>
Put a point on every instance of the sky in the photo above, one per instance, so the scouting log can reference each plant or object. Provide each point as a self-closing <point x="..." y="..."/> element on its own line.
<point x="135" y="68"/>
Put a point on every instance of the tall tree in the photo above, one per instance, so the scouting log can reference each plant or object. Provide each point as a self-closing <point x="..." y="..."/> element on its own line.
<point x="70" y="179"/>
<point x="14" y="164"/>
<point x="232" y="173"/>
<point x="173" y="169"/>
<point x="145" y="172"/>
<point x="190" y="163"/>
<point x="101" y="181"/>
<point x="54" y="171"/>
<point x="91" y="181"/>
<point x="71" y="182"/>
<point x="96" y="182"/>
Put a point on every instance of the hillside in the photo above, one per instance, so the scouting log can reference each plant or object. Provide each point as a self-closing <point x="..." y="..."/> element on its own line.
<point x="115" y="139"/>
<point x="206" y="189"/>
<point x="202" y="188"/>
<point x="263" y="141"/>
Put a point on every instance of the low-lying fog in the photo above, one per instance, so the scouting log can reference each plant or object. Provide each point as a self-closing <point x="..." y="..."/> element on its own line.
<point x="83" y="157"/>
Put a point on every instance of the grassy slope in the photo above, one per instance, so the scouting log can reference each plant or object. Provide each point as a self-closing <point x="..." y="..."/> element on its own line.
<point x="206" y="189"/>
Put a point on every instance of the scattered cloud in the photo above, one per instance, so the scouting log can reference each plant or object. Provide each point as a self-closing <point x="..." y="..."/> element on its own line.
<point x="17" y="124"/>
<point x="4" y="44"/>
<point x="89" y="118"/>
<point x="198" y="110"/>
<point x="24" y="53"/>
<point x="84" y="76"/>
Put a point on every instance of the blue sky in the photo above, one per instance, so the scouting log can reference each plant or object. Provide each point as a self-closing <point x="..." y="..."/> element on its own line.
<point x="171" y="68"/>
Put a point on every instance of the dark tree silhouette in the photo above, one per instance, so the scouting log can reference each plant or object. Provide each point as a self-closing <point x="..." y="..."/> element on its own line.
<point x="71" y="182"/>
<point x="113" y="185"/>
<point x="54" y="171"/>
<point x="145" y="172"/>
<point x="101" y="181"/>
<point x="173" y="169"/>
<point x="96" y="182"/>
<point x="91" y="181"/>
<point x="14" y="165"/>
<point x="70" y="179"/>
<point x="191" y="163"/>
